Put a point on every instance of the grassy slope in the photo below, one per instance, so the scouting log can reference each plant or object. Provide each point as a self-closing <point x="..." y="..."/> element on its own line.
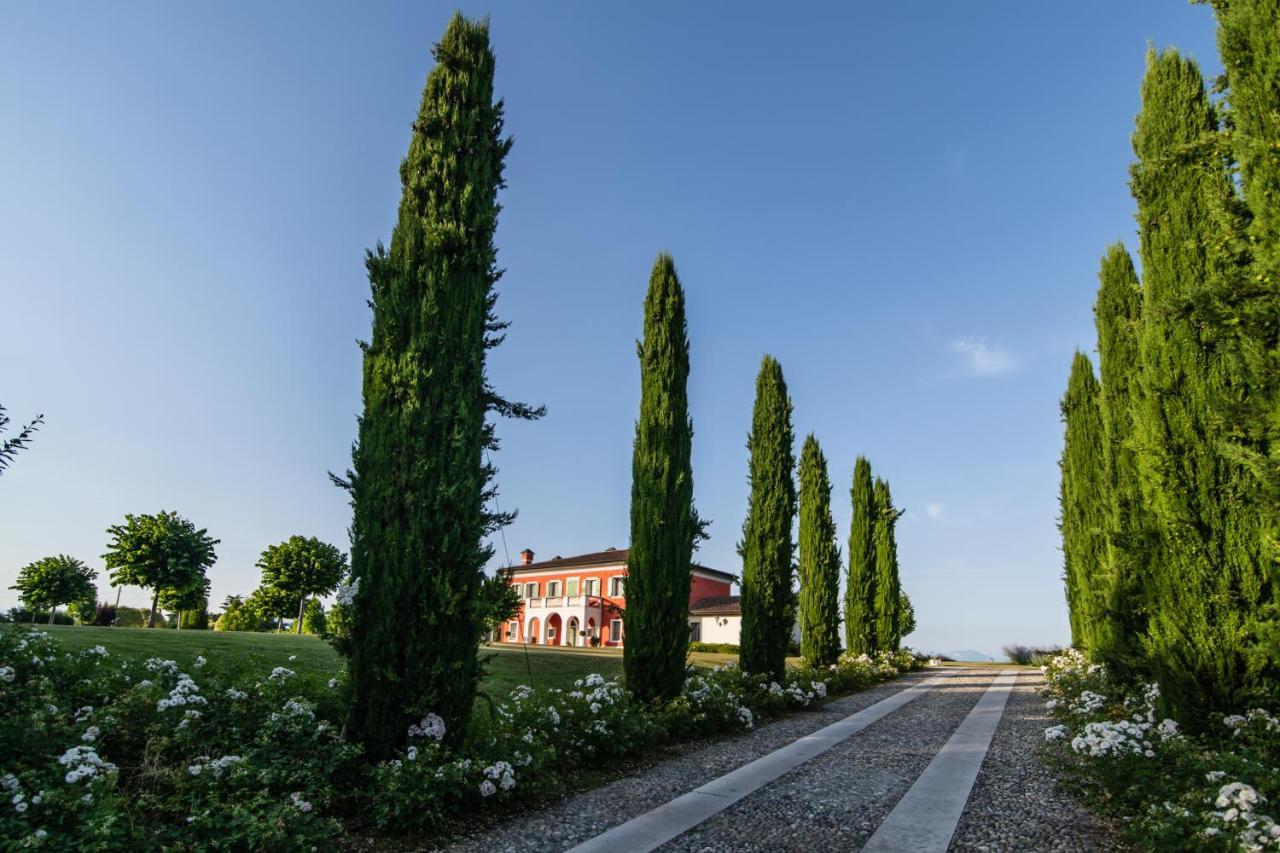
<point x="507" y="666"/>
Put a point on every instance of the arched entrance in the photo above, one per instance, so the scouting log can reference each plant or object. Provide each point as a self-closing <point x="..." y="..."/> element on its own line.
<point x="591" y="629"/>
<point x="532" y="633"/>
<point x="571" y="638"/>
<point x="555" y="630"/>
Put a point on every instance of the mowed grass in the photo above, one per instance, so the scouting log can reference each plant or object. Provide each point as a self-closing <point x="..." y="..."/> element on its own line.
<point x="506" y="666"/>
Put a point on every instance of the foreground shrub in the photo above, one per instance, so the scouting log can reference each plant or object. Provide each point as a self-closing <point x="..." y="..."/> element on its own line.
<point x="1216" y="789"/>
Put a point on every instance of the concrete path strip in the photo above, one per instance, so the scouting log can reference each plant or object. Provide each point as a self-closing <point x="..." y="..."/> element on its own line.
<point x="654" y="828"/>
<point x="926" y="816"/>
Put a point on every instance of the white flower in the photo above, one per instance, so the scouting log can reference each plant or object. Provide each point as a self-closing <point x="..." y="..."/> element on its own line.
<point x="1168" y="729"/>
<point x="1055" y="733"/>
<point x="595" y="707"/>
<point x="299" y="803"/>
<point x="744" y="714"/>
<point x="84" y="763"/>
<point x="431" y="726"/>
<point x="20" y="807"/>
<point x="346" y="593"/>
<point x="7" y="674"/>
<point x="1234" y="722"/>
<point x="553" y="716"/>
<point x="41" y="834"/>
<point x="90" y="734"/>
<point x="1238" y="794"/>
<point x="194" y="769"/>
<point x="487" y="789"/>
<point x="200" y="661"/>
<point x="333" y="684"/>
<point x="594" y="680"/>
<point x="412" y="753"/>
<point x="281" y="674"/>
<point x="1215" y="775"/>
<point x="293" y="657"/>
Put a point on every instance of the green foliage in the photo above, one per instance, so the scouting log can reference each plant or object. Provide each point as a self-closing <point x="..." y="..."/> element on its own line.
<point x="52" y="581"/>
<point x="715" y="648"/>
<point x="190" y="606"/>
<point x="274" y="604"/>
<point x="419" y="481"/>
<point x="819" y="566"/>
<point x="240" y="615"/>
<point x="1084" y="504"/>
<point x="906" y="615"/>
<point x="162" y="552"/>
<point x="9" y="447"/>
<point x="888" y="586"/>
<point x="1122" y="612"/>
<point x="860" y="589"/>
<point x="663" y="525"/>
<point x="768" y="603"/>
<point x="314" y="619"/>
<point x="300" y="568"/>
<point x="498" y="601"/>
<point x="1212" y="573"/>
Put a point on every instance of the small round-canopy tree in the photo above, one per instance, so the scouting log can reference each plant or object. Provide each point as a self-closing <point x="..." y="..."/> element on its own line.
<point x="188" y="605"/>
<point x="53" y="581"/>
<point x="301" y="568"/>
<point x="158" y="552"/>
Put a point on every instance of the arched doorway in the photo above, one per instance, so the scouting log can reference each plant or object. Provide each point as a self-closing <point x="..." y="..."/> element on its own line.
<point x="533" y="630"/>
<point x="555" y="630"/>
<point x="591" y="630"/>
<point x="571" y="638"/>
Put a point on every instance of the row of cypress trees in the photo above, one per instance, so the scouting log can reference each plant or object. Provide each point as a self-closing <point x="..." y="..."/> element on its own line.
<point x="873" y="612"/>
<point x="1171" y="464"/>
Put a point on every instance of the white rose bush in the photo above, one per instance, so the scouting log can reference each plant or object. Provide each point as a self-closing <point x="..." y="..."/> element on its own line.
<point x="1211" y="784"/>
<point x="105" y="753"/>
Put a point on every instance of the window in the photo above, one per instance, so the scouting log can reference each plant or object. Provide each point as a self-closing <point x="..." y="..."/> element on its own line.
<point x="572" y="587"/>
<point x="695" y="631"/>
<point x="553" y="589"/>
<point x="513" y="628"/>
<point x="615" y="631"/>
<point x="592" y="586"/>
<point x="618" y="585"/>
<point x="551" y="632"/>
<point x="531" y="589"/>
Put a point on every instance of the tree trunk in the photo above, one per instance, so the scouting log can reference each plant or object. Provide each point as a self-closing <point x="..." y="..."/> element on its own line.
<point x="301" y="604"/>
<point x="52" y="610"/>
<point x="178" y="621"/>
<point x="155" y="599"/>
<point x="115" y="617"/>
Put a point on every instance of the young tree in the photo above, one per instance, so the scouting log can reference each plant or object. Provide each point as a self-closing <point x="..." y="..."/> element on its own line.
<point x="314" y="619"/>
<point x="1211" y="563"/>
<point x="158" y="552"/>
<point x="53" y="581"/>
<point x="9" y="447"/>
<point x="663" y="524"/>
<point x="1085" y="502"/>
<point x="302" y="567"/>
<point x="499" y="600"/>
<point x="888" y="601"/>
<point x="907" y="615"/>
<point x="419" y="479"/>
<point x="188" y="604"/>
<point x="819" y="566"/>
<point x="1121" y="613"/>
<point x="860" y="589"/>
<point x="768" y="603"/>
<point x="239" y="615"/>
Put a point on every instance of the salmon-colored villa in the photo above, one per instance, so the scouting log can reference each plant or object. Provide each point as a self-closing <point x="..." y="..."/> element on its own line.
<point x="582" y="600"/>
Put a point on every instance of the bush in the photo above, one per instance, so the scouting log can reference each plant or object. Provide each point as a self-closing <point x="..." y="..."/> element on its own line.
<point x="714" y="648"/>
<point x="1194" y="791"/>
<point x="105" y="615"/>
<point x="1028" y="655"/>
<point x="39" y="617"/>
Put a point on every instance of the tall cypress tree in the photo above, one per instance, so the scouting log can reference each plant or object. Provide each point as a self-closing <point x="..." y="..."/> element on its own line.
<point x="860" y="587"/>
<point x="768" y="606"/>
<point x="1212" y="572"/>
<point x="662" y="516"/>
<point x="819" y="561"/>
<point x="1085" y="503"/>
<point x="419" y="481"/>
<point x="1117" y="314"/>
<point x="888" y="601"/>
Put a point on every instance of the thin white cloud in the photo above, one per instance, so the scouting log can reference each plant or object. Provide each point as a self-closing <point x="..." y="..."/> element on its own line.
<point x="978" y="358"/>
<point x="934" y="510"/>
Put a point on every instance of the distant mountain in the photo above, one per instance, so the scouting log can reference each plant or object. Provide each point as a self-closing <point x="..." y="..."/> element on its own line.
<point x="975" y="656"/>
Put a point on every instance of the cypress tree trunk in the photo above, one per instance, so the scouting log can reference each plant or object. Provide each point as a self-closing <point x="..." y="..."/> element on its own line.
<point x="860" y="590"/>
<point x="819" y="561"/>
<point x="1085" y="503"/>
<point x="888" y="601"/>
<point x="418" y="482"/>
<point x="662" y="517"/>
<point x="1117" y="314"/>
<point x="768" y="608"/>
<point x="1212" y="571"/>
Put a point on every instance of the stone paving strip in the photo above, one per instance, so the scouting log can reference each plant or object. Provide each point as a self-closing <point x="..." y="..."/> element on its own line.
<point x="653" y="829"/>
<point x="583" y="816"/>
<point x="927" y="816"/>
<point x="836" y="801"/>
<point x="1016" y="805"/>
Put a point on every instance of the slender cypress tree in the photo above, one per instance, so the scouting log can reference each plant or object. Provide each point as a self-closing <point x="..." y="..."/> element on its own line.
<point x="1117" y="314"/>
<point x="888" y="602"/>
<point x="419" y="481"/>
<point x="1212" y="572"/>
<point x="860" y="588"/>
<point x="768" y="605"/>
<point x="1085" y="503"/>
<point x="819" y="561"/>
<point x="662" y="516"/>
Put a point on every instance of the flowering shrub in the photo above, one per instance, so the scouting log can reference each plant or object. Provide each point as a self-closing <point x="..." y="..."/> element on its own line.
<point x="103" y="754"/>
<point x="1214" y="790"/>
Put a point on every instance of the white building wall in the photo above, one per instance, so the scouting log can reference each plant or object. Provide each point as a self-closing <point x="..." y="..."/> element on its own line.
<point x="720" y="629"/>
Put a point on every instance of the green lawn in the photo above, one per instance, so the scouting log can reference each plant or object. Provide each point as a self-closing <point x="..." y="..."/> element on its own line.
<point x="507" y="666"/>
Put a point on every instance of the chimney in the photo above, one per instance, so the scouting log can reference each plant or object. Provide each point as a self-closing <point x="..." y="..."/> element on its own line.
<point x="526" y="557"/>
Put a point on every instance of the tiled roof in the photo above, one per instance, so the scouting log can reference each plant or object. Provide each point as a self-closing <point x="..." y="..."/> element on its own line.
<point x="725" y="605"/>
<point x="608" y="557"/>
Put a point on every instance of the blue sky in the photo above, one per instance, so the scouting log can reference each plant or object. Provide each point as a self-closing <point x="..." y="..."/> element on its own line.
<point x="905" y="204"/>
